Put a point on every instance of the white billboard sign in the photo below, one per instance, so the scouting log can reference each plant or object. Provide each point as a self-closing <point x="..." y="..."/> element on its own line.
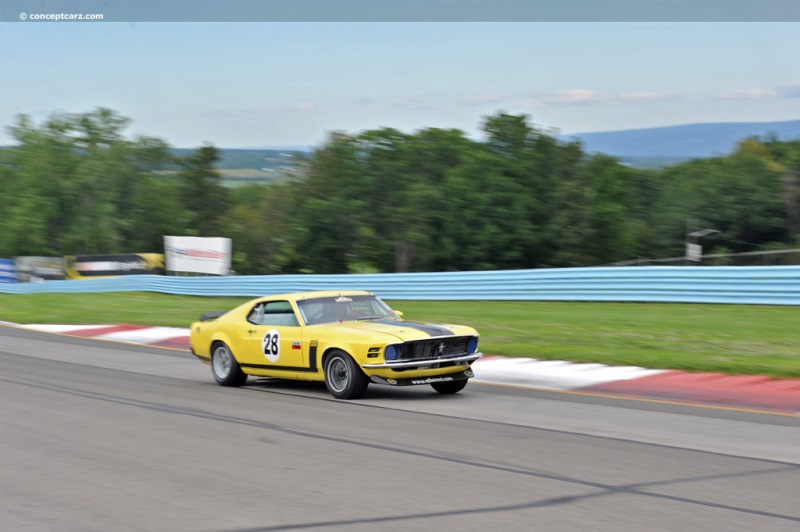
<point x="198" y="254"/>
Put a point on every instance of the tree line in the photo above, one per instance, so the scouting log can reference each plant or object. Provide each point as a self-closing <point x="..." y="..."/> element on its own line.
<point x="384" y="200"/>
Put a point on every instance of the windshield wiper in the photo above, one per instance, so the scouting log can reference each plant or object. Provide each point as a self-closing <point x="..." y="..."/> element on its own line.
<point x="373" y="318"/>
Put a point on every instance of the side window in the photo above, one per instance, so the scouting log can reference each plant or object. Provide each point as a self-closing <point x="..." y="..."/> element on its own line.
<point x="254" y="316"/>
<point x="279" y="313"/>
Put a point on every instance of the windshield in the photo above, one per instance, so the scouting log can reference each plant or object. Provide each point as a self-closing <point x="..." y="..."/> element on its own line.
<point x="343" y="308"/>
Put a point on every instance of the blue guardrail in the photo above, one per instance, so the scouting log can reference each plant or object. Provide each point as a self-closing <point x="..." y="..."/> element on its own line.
<point x="761" y="285"/>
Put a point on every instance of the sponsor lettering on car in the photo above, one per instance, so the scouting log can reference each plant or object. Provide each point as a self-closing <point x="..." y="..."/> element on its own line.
<point x="431" y="380"/>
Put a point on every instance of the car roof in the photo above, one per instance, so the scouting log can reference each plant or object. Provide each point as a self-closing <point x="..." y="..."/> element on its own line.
<point x="299" y="296"/>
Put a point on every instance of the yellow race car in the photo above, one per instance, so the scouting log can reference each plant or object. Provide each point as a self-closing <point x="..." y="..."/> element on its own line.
<point x="346" y="339"/>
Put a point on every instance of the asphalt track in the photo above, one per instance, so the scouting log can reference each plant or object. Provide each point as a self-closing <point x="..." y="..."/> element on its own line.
<point x="752" y="392"/>
<point x="106" y="436"/>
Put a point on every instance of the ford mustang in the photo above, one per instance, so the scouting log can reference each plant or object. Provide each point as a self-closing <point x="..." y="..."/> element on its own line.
<point x="346" y="339"/>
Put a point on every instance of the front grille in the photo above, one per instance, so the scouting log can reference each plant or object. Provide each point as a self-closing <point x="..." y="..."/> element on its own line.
<point x="442" y="347"/>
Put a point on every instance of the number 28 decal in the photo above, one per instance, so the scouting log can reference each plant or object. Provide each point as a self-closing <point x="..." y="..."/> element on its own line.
<point x="271" y="345"/>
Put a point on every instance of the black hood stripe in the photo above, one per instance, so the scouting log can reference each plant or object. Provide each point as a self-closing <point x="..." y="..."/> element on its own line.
<point x="432" y="330"/>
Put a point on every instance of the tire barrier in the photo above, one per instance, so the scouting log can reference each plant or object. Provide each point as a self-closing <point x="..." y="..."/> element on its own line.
<point x="759" y="285"/>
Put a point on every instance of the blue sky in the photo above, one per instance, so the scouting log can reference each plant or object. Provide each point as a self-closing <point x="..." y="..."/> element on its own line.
<point x="268" y="84"/>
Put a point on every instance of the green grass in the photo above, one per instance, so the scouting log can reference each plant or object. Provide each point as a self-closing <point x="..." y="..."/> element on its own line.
<point x="737" y="339"/>
<point x="142" y="308"/>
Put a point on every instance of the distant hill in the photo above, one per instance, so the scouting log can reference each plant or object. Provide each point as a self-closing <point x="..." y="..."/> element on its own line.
<point x="239" y="166"/>
<point x="684" y="141"/>
<point x="651" y="163"/>
<point x="266" y="159"/>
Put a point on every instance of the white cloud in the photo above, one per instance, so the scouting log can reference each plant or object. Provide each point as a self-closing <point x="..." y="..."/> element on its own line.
<point x="646" y="96"/>
<point x="790" y="90"/>
<point x="749" y="94"/>
<point x="582" y="97"/>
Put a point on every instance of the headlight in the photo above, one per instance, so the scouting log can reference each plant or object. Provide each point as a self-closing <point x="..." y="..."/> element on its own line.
<point x="391" y="352"/>
<point x="472" y="345"/>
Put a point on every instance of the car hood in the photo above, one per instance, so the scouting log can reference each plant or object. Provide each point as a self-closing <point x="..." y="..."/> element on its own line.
<point x="404" y="330"/>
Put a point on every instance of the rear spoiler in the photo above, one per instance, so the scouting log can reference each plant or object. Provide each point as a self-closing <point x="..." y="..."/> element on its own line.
<point x="212" y="315"/>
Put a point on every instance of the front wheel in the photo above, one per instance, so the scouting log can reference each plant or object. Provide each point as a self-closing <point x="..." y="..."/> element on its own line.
<point x="343" y="378"/>
<point x="449" y="387"/>
<point x="224" y="366"/>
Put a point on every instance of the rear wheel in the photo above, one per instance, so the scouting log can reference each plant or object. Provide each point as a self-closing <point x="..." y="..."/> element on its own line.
<point x="224" y="366"/>
<point x="343" y="378"/>
<point x="449" y="387"/>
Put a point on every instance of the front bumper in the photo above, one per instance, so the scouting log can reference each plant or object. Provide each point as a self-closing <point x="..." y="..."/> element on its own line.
<point x="423" y="363"/>
<point x="413" y="381"/>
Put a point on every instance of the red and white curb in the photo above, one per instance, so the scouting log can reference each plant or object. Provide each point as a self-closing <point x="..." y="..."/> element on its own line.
<point x="750" y="392"/>
<point x="553" y="374"/>
<point x="174" y="337"/>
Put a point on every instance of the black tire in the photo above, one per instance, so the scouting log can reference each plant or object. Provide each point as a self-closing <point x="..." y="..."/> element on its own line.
<point x="224" y="367"/>
<point x="449" y="387"/>
<point x="343" y="378"/>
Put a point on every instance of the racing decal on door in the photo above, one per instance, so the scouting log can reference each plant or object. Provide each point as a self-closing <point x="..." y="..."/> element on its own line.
<point x="271" y="345"/>
<point x="312" y="360"/>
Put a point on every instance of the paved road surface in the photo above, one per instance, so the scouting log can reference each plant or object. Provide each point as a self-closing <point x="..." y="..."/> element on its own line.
<point x="102" y="436"/>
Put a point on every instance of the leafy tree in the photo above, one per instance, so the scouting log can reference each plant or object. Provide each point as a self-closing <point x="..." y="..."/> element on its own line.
<point x="782" y="157"/>
<point x="75" y="186"/>
<point x="204" y="197"/>
<point x="263" y="227"/>
<point x="614" y="225"/>
<point x="39" y="197"/>
<point x="157" y="210"/>
<point x="738" y="195"/>
<point x="330" y="203"/>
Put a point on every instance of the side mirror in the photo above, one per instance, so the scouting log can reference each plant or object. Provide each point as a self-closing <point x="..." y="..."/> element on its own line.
<point x="399" y="313"/>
